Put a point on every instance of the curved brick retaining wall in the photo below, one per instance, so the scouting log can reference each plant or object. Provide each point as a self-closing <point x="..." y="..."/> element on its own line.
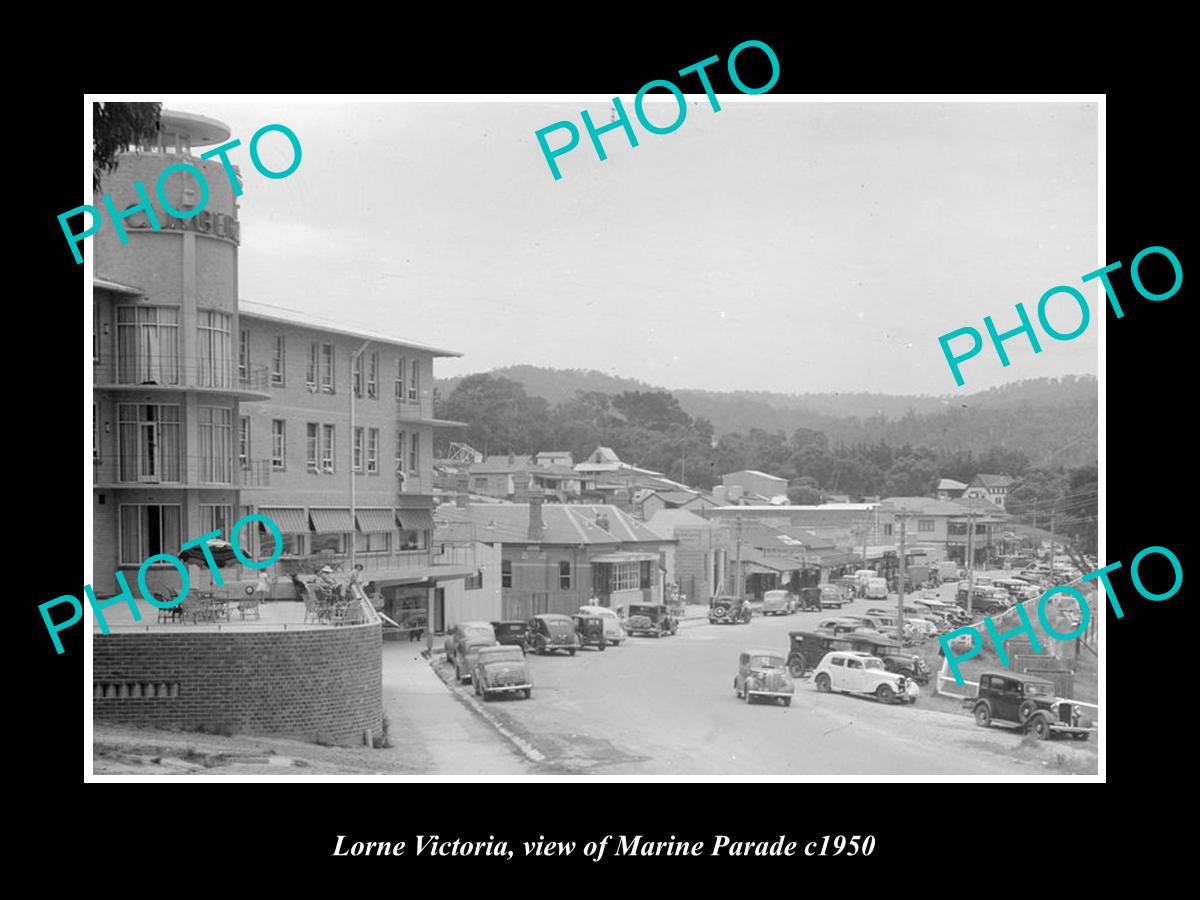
<point x="317" y="684"/>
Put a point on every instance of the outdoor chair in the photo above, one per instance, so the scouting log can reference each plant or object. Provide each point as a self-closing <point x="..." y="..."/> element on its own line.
<point x="175" y="613"/>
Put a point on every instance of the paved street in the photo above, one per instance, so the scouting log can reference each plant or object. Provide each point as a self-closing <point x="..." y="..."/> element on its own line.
<point x="668" y="706"/>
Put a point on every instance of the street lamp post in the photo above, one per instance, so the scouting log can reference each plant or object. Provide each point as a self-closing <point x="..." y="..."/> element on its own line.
<point x="353" y="437"/>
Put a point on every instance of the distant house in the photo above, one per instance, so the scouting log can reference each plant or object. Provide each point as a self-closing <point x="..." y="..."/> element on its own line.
<point x="993" y="488"/>
<point x="602" y="459"/>
<point x="648" y="501"/>
<point x="699" y="559"/>
<point x="944" y="526"/>
<point x="558" y="557"/>
<point x="949" y="489"/>
<point x="555" y="458"/>
<point x="753" y="485"/>
<point x="505" y="477"/>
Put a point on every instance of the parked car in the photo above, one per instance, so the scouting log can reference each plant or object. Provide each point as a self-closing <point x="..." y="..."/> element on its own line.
<point x="808" y="648"/>
<point x="916" y="627"/>
<point x="833" y="596"/>
<point x="876" y="589"/>
<point x="463" y="644"/>
<point x="763" y="673"/>
<point x="1026" y="703"/>
<point x="842" y="624"/>
<point x="779" y="603"/>
<point x="551" y="631"/>
<point x="728" y="610"/>
<point x="886" y="623"/>
<point x="653" y="619"/>
<point x="613" y="632"/>
<point x="512" y="633"/>
<point x="590" y="630"/>
<point x="861" y="673"/>
<point x="986" y="599"/>
<point x="810" y="597"/>
<point x="501" y="670"/>
<point x="895" y="657"/>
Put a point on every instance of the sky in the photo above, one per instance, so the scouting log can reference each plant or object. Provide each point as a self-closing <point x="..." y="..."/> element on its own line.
<point x="773" y="245"/>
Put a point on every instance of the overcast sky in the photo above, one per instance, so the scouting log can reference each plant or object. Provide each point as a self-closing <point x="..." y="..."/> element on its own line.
<point x="770" y="246"/>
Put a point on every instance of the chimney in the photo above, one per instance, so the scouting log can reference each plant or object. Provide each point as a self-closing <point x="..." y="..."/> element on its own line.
<point x="520" y="486"/>
<point x="462" y="487"/>
<point x="537" y="527"/>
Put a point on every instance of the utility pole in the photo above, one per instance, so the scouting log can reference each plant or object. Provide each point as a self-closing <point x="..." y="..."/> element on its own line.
<point x="900" y="599"/>
<point x="1052" y="549"/>
<point x="740" y="579"/>
<point x="353" y="390"/>
<point x="970" y="561"/>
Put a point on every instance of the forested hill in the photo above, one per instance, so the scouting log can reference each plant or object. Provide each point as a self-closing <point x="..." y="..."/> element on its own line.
<point x="1045" y="418"/>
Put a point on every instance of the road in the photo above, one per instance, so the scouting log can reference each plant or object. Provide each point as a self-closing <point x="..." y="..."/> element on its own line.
<point x="667" y="706"/>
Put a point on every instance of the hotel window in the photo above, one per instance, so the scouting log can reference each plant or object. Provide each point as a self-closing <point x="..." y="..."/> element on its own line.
<point x="147" y="345"/>
<point x="411" y="539"/>
<point x="95" y="333"/>
<point x="149" y="442"/>
<point x="474" y="582"/>
<point x="358" y="376"/>
<point x="312" y="447"/>
<point x="625" y="577"/>
<point x="358" y="449"/>
<point x="278" y="358"/>
<point x="400" y="378"/>
<point x="925" y="525"/>
<point x="214" y="367"/>
<point x="244" y="355"/>
<point x="278" y="444"/>
<point x="327" y="368"/>
<point x="310" y="373"/>
<point x="373" y="451"/>
<point x="400" y="451"/>
<point x="372" y="541"/>
<point x="147" y="530"/>
<point x="95" y="436"/>
<point x="292" y="544"/>
<point x="564" y="575"/>
<point x="328" y="540"/>
<point x="414" y="447"/>
<point x="506" y="573"/>
<point x="414" y="382"/>
<point x="327" y="449"/>
<point x="216" y="444"/>
<point x="216" y="517"/>
<point x="244" y="441"/>
<point x="887" y="530"/>
<point x="373" y="375"/>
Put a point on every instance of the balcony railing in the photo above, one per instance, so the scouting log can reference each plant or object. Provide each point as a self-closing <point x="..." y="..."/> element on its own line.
<point x="170" y="370"/>
<point x="253" y="472"/>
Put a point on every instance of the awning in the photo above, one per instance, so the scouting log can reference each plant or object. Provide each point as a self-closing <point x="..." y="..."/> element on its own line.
<point x="831" y="558"/>
<point x="415" y="519"/>
<point x="290" y="521"/>
<point x="625" y="558"/>
<point x="375" y="519"/>
<point x="334" y="520"/>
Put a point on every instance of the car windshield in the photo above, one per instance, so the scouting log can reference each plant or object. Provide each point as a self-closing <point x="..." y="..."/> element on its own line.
<point x="872" y="664"/>
<point x="474" y="632"/>
<point x="1037" y="689"/>
<point x="766" y="662"/>
<point x="510" y="629"/>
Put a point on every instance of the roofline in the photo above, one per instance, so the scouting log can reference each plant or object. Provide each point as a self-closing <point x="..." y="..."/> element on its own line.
<point x="335" y="329"/>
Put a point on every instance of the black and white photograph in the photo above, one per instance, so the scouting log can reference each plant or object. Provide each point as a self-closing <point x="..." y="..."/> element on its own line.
<point x="528" y="437"/>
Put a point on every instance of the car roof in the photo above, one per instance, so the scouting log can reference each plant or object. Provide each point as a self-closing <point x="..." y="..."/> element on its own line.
<point x="474" y="624"/>
<point x="596" y="610"/>
<point x="499" y="648"/>
<point x="761" y="652"/>
<point x="1018" y="676"/>
<point x="869" y="638"/>
<point x="549" y="617"/>
<point x="857" y="654"/>
<point x="509" y="622"/>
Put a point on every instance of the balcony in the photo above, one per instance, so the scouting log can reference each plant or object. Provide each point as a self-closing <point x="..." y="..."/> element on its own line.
<point x="253" y="473"/>
<point x="168" y="372"/>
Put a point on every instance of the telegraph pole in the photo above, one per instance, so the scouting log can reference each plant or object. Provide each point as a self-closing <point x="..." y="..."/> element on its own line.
<point x="900" y="599"/>
<point x="741" y="578"/>
<point x="970" y="561"/>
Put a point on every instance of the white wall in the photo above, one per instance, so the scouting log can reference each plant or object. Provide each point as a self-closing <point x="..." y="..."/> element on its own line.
<point x="483" y="604"/>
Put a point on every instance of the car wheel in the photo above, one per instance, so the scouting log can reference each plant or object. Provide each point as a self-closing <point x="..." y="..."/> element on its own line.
<point x="884" y="693"/>
<point x="823" y="683"/>
<point x="1025" y="710"/>
<point x="787" y="701"/>
<point x="1040" y="728"/>
<point x="746" y="695"/>
<point x="602" y="646"/>
<point x="475" y="681"/>
<point x="528" y="693"/>
<point x="796" y="667"/>
<point x="571" y="650"/>
<point x="983" y="715"/>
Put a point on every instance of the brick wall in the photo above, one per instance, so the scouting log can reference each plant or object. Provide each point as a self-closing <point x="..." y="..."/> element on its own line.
<point x="321" y="684"/>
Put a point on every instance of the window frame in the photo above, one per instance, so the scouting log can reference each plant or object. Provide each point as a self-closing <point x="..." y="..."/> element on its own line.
<point x="358" y="448"/>
<point x="279" y="443"/>
<point x="244" y="441"/>
<point x="506" y="573"/>
<point x="312" y="447"/>
<point x="279" y="360"/>
<point x="564" y="575"/>
<point x="164" y="545"/>
<point x="328" y="368"/>
<point x="328" y="446"/>
<point x="372" y="451"/>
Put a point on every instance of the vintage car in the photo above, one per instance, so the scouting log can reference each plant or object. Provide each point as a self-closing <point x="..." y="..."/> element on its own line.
<point x="842" y="624"/>
<point x="895" y="657"/>
<point x="779" y="603"/>
<point x="808" y="648"/>
<point x="650" y="619"/>
<point x="876" y="589"/>
<point x="501" y="670"/>
<point x="833" y="596"/>
<point x="463" y="644"/>
<point x="512" y="633"/>
<point x="590" y="630"/>
<point x="551" y="631"/>
<point x="916" y="626"/>
<point x="810" y="597"/>
<point x="763" y="673"/>
<point x="1026" y="703"/>
<point x="613" y="632"/>
<point x="862" y="673"/>
<point x="727" y="610"/>
<point x="985" y="599"/>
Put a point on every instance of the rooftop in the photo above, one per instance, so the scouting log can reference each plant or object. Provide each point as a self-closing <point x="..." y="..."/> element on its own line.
<point x="563" y="523"/>
<point x="290" y="316"/>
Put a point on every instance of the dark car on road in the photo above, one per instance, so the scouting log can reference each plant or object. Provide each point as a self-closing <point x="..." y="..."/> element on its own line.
<point x="591" y="631"/>
<point x="501" y="670"/>
<point x="1027" y="704"/>
<point x="550" y="631"/>
<point x="654" y="620"/>
<point x="514" y="632"/>
<point x="762" y="674"/>
<point x="728" y="611"/>
<point x="808" y="648"/>
<point x="463" y="643"/>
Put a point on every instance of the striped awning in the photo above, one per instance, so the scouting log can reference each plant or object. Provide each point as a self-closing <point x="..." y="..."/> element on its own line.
<point x="415" y="519"/>
<point x="290" y="520"/>
<point x="375" y="519"/>
<point x="331" y="520"/>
